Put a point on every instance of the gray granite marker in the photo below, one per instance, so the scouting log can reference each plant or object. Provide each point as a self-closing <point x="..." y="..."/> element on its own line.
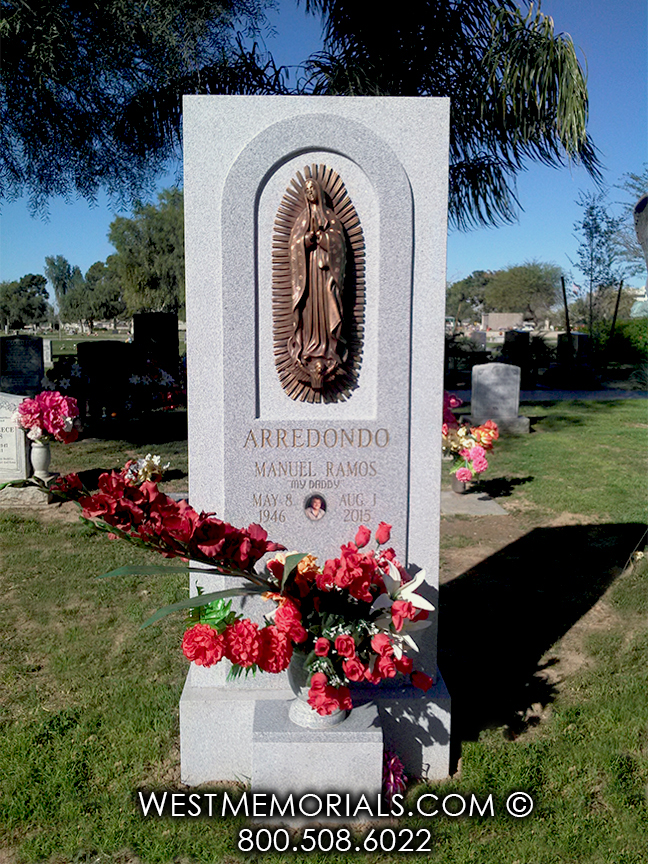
<point x="257" y="455"/>
<point x="496" y="396"/>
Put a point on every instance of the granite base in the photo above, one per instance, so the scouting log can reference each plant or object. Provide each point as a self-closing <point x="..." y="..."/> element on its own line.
<point x="344" y="758"/>
<point x="220" y="728"/>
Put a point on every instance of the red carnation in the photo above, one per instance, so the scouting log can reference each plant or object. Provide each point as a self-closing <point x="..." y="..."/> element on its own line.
<point x="203" y="645"/>
<point x="288" y="619"/>
<point x="362" y="537"/>
<point x="383" y="533"/>
<point x="345" y="646"/>
<point x="421" y="680"/>
<point x="242" y="643"/>
<point x="275" y="650"/>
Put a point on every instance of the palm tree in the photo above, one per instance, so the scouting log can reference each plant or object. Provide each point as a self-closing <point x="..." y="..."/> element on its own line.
<point x="517" y="89"/>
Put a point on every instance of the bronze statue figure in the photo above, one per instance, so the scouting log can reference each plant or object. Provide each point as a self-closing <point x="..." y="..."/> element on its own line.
<point x="323" y="268"/>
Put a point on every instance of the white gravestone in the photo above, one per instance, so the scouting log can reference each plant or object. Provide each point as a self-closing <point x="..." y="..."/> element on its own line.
<point x="495" y="396"/>
<point x="14" y="463"/>
<point x="256" y="454"/>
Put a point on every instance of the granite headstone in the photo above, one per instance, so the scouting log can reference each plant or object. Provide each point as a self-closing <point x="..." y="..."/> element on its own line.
<point x="14" y="463"/>
<point x="258" y="455"/>
<point x="21" y="364"/>
<point x="496" y="396"/>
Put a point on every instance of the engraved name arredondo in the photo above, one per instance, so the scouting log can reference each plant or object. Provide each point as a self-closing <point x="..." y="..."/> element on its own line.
<point x="318" y="281"/>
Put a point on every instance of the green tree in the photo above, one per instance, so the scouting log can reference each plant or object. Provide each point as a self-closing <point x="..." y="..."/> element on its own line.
<point x="465" y="298"/>
<point x="90" y="93"/>
<point x="149" y="261"/>
<point x="105" y="291"/>
<point x="62" y="276"/>
<point x="634" y="186"/>
<point x="532" y="288"/>
<point x="517" y="90"/>
<point x="598" y="254"/>
<point x="23" y="302"/>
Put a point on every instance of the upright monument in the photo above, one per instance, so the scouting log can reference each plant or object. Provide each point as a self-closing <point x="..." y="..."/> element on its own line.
<point x="315" y="270"/>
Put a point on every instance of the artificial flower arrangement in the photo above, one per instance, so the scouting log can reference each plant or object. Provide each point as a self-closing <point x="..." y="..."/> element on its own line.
<point x="353" y="618"/>
<point x="49" y="416"/>
<point x="466" y="444"/>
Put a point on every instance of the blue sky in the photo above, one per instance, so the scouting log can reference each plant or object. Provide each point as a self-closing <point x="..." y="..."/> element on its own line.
<point x="612" y="40"/>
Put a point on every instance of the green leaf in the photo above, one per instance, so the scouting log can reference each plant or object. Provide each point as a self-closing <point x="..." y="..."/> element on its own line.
<point x="291" y="564"/>
<point x="153" y="569"/>
<point x="200" y="600"/>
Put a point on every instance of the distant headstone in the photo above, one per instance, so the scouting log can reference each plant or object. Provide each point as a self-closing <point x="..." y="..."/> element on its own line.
<point x="107" y="367"/>
<point x="479" y="338"/>
<point x="155" y="336"/>
<point x="580" y="349"/>
<point x="315" y="401"/>
<point x="21" y="365"/>
<point x="496" y="396"/>
<point x="14" y="450"/>
<point x="47" y="352"/>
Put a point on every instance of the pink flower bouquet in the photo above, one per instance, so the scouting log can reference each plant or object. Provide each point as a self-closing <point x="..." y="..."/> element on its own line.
<point x="49" y="417"/>
<point x="466" y="444"/>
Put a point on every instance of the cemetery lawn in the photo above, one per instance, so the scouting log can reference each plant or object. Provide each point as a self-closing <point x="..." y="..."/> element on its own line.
<point x="543" y="643"/>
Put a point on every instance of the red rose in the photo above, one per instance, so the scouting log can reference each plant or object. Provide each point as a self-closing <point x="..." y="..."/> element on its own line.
<point x="275" y="650"/>
<point x="345" y="646"/>
<point x="386" y="666"/>
<point x="354" y="669"/>
<point x="203" y="645"/>
<point x="97" y="506"/>
<point x="372" y="673"/>
<point x="322" y="646"/>
<point x="404" y="664"/>
<point x="383" y="533"/>
<point x="381" y="644"/>
<point x="362" y="537"/>
<point x="401" y="611"/>
<point x="326" y="699"/>
<point x="242" y="643"/>
<point x="421" y="680"/>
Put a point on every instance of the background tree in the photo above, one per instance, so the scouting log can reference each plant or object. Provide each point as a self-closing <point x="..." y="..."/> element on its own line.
<point x="517" y="89"/>
<point x="598" y="254"/>
<point x="92" y="92"/>
<point x="465" y="298"/>
<point x="531" y="288"/>
<point x="107" y="303"/>
<point x="23" y="302"/>
<point x="149" y="261"/>
<point x="634" y="186"/>
<point x="62" y="276"/>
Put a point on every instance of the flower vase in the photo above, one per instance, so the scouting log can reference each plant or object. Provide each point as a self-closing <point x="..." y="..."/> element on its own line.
<point x="300" y="712"/>
<point x="41" y="457"/>
<point x="459" y="486"/>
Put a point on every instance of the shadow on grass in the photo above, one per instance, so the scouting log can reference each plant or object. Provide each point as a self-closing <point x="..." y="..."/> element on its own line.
<point x="498" y="619"/>
<point x="500" y="487"/>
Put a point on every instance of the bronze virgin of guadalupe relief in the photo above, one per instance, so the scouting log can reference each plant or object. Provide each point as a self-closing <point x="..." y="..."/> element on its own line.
<point x="318" y="288"/>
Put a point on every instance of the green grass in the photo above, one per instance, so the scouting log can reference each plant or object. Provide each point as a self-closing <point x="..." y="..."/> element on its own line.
<point x="89" y="702"/>
<point x="588" y="458"/>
